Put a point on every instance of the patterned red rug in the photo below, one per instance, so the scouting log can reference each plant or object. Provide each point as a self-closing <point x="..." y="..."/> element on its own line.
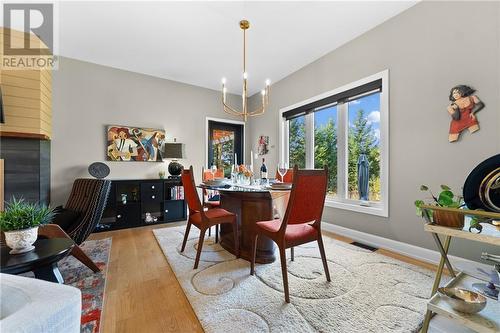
<point x="91" y="284"/>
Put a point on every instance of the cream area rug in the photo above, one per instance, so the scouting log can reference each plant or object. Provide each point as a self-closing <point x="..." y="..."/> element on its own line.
<point x="369" y="292"/>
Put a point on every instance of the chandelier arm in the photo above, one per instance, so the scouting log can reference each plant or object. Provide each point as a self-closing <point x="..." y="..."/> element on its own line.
<point x="258" y="112"/>
<point x="229" y="109"/>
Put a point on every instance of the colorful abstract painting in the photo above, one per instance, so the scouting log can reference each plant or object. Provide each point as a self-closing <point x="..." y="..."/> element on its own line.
<point x="126" y="143"/>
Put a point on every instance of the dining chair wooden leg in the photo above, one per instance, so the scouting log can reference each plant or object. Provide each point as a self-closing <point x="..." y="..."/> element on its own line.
<point x="200" y="246"/>
<point x="284" y="273"/>
<point x="323" y="257"/>
<point x="209" y="231"/>
<point x="216" y="233"/>
<point x="253" y="253"/>
<point x="291" y="254"/>
<point x="236" y="238"/>
<point x="186" y="233"/>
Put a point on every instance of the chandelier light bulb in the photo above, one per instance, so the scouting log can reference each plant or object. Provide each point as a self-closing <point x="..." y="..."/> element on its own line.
<point x="223" y="80"/>
<point x="224" y="90"/>
<point x="245" y="75"/>
<point x="268" y="82"/>
<point x="263" y="92"/>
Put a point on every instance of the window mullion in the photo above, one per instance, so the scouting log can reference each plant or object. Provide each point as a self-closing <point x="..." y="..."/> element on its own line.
<point x="309" y="124"/>
<point x="286" y="142"/>
<point x="342" y="130"/>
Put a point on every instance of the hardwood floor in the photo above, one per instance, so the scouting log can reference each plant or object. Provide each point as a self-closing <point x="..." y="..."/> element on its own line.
<point x="142" y="293"/>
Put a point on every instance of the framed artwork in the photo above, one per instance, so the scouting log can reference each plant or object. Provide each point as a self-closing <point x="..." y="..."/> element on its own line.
<point x="125" y="143"/>
<point x="223" y="148"/>
<point x="463" y="108"/>
<point x="263" y="147"/>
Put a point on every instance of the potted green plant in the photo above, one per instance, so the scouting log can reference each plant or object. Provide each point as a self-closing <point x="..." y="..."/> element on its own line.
<point x="20" y="222"/>
<point x="446" y="198"/>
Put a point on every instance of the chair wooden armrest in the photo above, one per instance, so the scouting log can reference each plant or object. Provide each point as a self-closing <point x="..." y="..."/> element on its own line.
<point x="55" y="231"/>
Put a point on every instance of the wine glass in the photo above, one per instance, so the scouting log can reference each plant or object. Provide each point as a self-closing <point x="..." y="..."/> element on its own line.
<point x="213" y="170"/>
<point x="282" y="170"/>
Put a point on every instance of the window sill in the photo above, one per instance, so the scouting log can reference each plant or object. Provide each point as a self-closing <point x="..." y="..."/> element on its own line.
<point x="378" y="210"/>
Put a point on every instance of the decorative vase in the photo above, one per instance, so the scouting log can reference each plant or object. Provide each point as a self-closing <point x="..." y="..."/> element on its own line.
<point x="448" y="219"/>
<point x="21" y="241"/>
<point x="175" y="168"/>
<point x="243" y="180"/>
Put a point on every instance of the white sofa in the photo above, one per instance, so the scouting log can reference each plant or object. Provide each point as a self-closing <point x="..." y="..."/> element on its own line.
<point x="29" y="305"/>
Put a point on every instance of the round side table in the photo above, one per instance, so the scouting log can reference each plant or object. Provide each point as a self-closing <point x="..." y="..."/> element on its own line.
<point x="42" y="260"/>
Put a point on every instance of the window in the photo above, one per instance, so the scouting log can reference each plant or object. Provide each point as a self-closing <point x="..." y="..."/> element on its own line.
<point x="346" y="130"/>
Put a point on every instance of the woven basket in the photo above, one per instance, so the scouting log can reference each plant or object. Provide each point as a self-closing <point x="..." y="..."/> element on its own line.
<point x="448" y="219"/>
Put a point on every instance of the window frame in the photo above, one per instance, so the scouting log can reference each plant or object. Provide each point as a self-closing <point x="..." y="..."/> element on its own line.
<point x="380" y="208"/>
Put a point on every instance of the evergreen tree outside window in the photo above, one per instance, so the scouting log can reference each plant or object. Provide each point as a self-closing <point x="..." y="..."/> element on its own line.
<point x="297" y="142"/>
<point x="325" y="145"/>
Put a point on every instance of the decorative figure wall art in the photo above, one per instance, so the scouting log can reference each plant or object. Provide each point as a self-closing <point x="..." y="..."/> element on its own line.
<point x="263" y="148"/>
<point x="134" y="144"/>
<point x="463" y="108"/>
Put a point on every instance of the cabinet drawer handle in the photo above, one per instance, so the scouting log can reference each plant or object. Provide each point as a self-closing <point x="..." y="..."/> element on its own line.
<point x="118" y="216"/>
<point x="152" y="197"/>
<point x="153" y="187"/>
<point x="166" y="210"/>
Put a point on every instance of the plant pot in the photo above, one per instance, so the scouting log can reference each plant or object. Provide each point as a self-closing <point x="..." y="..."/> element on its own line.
<point x="448" y="219"/>
<point x="21" y="241"/>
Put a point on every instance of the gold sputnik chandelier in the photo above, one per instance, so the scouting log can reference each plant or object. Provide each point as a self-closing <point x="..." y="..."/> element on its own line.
<point x="244" y="25"/>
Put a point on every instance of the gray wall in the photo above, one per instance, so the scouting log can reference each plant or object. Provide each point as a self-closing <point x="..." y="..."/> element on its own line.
<point x="427" y="49"/>
<point x="87" y="97"/>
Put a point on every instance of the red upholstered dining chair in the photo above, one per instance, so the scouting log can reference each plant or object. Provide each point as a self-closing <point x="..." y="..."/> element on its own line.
<point x="211" y="198"/>
<point x="207" y="175"/>
<point x="301" y="223"/>
<point x="204" y="219"/>
<point x="287" y="178"/>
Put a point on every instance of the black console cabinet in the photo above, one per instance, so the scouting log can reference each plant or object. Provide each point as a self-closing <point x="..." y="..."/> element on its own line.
<point x="130" y="202"/>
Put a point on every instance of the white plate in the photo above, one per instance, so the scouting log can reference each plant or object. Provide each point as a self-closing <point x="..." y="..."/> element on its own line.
<point x="215" y="182"/>
<point x="281" y="186"/>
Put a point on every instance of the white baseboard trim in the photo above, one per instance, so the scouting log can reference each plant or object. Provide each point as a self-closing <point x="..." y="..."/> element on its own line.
<point x="408" y="250"/>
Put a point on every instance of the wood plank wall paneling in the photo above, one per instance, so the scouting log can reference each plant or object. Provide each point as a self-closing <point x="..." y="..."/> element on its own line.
<point x="19" y="38"/>
<point x="27" y="98"/>
<point x="2" y="182"/>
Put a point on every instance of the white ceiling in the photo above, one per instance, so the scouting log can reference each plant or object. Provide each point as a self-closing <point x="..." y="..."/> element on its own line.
<point x="201" y="42"/>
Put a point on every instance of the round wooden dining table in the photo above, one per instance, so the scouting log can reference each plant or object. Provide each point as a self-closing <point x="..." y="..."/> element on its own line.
<point x="251" y="204"/>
